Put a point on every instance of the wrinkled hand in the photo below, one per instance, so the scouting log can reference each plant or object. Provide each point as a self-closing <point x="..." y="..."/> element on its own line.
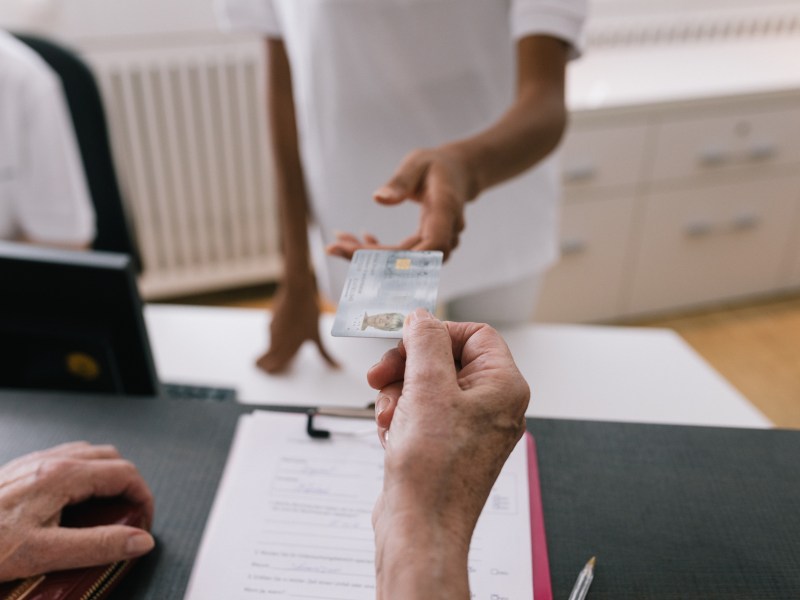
<point x="35" y="488"/>
<point x="450" y="409"/>
<point x="295" y="319"/>
<point x="440" y="181"/>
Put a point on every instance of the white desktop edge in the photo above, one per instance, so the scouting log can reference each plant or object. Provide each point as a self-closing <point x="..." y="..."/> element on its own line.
<point x="575" y="371"/>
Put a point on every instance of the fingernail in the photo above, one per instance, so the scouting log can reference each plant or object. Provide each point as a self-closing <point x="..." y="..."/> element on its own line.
<point x="139" y="543"/>
<point x="381" y="404"/>
<point x="419" y="314"/>
<point x="389" y="192"/>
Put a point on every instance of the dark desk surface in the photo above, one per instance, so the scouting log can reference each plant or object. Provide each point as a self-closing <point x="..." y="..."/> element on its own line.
<point x="670" y="512"/>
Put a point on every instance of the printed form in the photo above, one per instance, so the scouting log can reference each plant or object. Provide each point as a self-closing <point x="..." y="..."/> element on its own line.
<point x="292" y="518"/>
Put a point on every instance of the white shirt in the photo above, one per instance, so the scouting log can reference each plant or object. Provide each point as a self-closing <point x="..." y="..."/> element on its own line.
<point x="43" y="190"/>
<point x="375" y="79"/>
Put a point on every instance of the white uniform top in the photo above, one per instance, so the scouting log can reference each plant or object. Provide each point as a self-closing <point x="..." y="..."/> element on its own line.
<point x="375" y="79"/>
<point x="43" y="190"/>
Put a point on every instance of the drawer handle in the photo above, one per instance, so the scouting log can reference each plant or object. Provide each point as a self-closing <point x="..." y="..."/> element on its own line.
<point x="746" y="221"/>
<point x="699" y="229"/>
<point x="573" y="246"/>
<point x="580" y="173"/>
<point x="765" y="151"/>
<point x="713" y="157"/>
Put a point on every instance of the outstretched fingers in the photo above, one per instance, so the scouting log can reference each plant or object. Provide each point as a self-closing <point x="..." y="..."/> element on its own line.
<point x="78" y="480"/>
<point x="59" y="548"/>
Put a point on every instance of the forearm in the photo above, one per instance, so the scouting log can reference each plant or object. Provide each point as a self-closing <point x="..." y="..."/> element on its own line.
<point x="531" y="128"/>
<point x="417" y="559"/>
<point x="289" y="181"/>
<point x="527" y="133"/>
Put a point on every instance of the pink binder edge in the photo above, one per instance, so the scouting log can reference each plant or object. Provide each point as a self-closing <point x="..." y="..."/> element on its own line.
<point x="542" y="587"/>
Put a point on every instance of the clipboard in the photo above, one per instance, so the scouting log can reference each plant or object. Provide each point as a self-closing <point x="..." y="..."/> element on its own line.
<point x="542" y="586"/>
<point x="313" y="499"/>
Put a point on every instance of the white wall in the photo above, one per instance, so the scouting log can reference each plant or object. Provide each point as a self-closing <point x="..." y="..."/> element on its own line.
<point x="102" y="18"/>
<point x="87" y="20"/>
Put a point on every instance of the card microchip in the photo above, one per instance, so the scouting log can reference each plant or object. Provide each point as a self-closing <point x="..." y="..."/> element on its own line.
<point x="402" y="264"/>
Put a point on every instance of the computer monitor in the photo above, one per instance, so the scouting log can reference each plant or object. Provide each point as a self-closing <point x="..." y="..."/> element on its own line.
<point x="72" y="321"/>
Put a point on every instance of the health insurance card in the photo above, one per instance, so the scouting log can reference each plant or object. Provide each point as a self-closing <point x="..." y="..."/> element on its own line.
<point x="382" y="287"/>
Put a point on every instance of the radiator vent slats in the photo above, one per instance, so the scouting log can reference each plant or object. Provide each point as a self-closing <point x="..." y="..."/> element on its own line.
<point x="189" y="137"/>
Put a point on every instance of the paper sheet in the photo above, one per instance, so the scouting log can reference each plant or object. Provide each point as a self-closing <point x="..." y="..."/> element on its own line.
<point x="292" y="519"/>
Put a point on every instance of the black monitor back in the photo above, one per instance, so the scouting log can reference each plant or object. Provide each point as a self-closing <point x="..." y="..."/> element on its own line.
<point x="72" y="321"/>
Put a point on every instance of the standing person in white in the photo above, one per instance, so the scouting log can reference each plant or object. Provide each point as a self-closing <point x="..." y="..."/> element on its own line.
<point x="432" y="103"/>
<point x="44" y="197"/>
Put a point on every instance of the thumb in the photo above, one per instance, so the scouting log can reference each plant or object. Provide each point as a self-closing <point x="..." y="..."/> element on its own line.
<point x="71" y="548"/>
<point x="405" y="182"/>
<point x="429" y="353"/>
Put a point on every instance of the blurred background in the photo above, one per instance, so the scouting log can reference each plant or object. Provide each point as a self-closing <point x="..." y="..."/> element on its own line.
<point x="681" y="168"/>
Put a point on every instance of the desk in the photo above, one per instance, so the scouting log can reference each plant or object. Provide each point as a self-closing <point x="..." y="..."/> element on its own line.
<point x="670" y="512"/>
<point x="575" y="371"/>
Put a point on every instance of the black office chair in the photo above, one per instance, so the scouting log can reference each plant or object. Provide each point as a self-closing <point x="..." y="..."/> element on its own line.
<point x="114" y="231"/>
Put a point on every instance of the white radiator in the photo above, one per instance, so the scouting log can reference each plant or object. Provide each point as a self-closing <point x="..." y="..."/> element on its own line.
<point x="190" y="140"/>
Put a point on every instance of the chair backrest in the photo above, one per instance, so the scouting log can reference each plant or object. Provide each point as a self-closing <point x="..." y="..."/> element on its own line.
<point x="114" y="232"/>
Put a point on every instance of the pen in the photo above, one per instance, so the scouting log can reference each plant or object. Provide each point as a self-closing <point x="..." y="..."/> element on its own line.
<point x="585" y="577"/>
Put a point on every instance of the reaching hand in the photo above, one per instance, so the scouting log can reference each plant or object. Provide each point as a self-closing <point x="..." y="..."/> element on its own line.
<point x="295" y="319"/>
<point x="35" y="488"/>
<point x="440" y="181"/>
<point x="450" y="410"/>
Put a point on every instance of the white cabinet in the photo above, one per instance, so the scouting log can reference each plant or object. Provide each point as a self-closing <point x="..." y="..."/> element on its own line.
<point x="605" y="155"/>
<point x="687" y="114"/>
<point x="587" y="282"/>
<point x="712" y="243"/>
<point x="677" y="205"/>
<point x="741" y="139"/>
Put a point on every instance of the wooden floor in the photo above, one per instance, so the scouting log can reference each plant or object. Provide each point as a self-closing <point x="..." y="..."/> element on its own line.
<point x="755" y="346"/>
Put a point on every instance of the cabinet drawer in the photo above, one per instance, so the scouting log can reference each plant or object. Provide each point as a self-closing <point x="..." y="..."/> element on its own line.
<point x="585" y="285"/>
<point x="603" y="156"/>
<point x="714" y="242"/>
<point x="686" y="148"/>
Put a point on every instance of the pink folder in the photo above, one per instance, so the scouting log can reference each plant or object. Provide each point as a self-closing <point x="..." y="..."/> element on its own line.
<point x="542" y="588"/>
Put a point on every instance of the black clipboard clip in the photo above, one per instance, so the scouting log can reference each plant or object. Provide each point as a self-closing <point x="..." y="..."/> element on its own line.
<point x="345" y="412"/>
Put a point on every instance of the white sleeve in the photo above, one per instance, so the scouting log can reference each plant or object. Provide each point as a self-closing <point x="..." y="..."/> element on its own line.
<point x="53" y="204"/>
<point x="563" y="19"/>
<point x="256" y="16"/>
